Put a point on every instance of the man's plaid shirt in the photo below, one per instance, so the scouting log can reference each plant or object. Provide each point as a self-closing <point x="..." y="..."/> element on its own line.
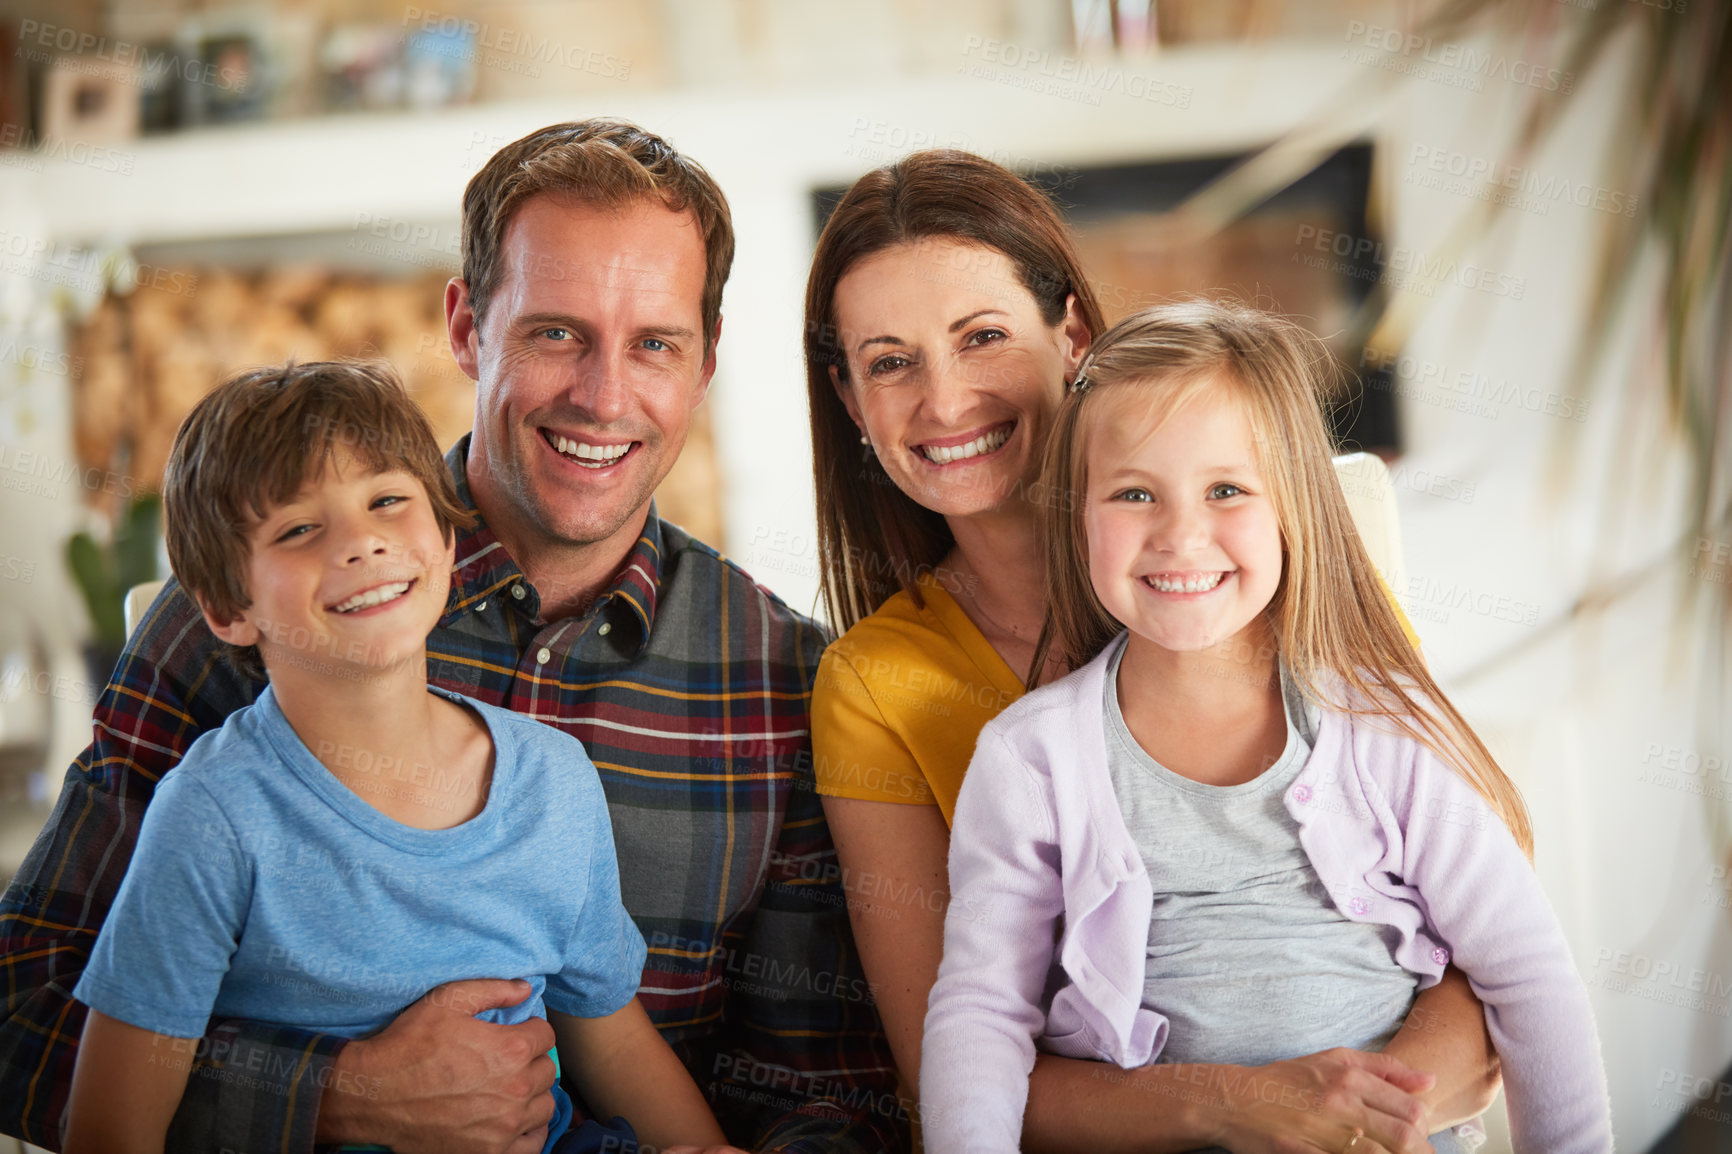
<point x="688" y="684"/>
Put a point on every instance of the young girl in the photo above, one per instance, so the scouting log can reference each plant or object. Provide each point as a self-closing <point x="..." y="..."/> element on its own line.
<point x="1249" y="826"/>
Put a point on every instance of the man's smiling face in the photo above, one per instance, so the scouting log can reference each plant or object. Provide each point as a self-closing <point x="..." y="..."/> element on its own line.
<point x="588" y="362"/>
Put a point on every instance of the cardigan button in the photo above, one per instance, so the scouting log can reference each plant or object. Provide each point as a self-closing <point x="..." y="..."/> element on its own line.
<point x="1302" y="795"/>
<point x="1359" y="906"/>
<point x="1440" y="955"/>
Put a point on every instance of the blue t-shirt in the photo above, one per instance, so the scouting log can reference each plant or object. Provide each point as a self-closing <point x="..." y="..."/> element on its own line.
<point x="264" y="888"/>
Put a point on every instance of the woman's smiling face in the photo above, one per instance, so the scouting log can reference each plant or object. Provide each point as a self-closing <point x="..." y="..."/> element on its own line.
<point x="952" y="371"/>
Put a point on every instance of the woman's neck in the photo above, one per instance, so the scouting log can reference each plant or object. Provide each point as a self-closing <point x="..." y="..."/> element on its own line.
<point x="1001" y="579"/>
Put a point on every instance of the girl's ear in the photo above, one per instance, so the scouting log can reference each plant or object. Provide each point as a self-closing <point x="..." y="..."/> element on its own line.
<point x="849" y="400"/>
<point x="236" y="630"/>
<point x="1076" y="335"/>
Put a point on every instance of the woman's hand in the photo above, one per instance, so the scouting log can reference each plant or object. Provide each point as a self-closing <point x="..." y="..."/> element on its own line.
<point x="1319" y="1103"/>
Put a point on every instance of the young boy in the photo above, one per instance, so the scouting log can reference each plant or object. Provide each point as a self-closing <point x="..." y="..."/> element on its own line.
<point x="354" y="838"/>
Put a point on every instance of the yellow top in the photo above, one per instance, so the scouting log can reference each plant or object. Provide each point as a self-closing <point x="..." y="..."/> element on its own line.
<point x="900" y="699"/>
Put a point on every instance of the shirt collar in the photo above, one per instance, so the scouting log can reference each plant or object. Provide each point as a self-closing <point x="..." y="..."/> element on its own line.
<point x="484" y="568"/>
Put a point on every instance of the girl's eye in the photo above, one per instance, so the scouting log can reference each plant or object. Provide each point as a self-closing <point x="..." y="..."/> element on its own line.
<point x="1224" y="490"/>
<point x="1132" y="495"/>
<point x="887" y="364"/>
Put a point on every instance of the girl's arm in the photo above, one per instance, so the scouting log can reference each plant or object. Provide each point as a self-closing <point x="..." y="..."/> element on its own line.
<point x="619" y="1065"/>
<point x="1486" y="904"/>
<point x="125" y="1087"/>
<point x="898" y="919"/>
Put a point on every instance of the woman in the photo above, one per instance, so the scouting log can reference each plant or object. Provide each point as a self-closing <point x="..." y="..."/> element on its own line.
<point x="945" y="312"/>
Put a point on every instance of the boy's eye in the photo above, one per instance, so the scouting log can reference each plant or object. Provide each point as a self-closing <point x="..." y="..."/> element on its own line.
<point x="1224" y="490"/>
<point x="388" y="499"/>
<point x="294" y="531"/>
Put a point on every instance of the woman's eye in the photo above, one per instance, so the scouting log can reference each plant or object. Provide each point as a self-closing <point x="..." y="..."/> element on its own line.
<point x="1224" y="490"/>
<point x="887" y="365"/>
<point x="987" y="337"/>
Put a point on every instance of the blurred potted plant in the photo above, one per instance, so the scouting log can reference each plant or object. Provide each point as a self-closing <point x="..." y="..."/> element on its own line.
<point x="104" y="573"/>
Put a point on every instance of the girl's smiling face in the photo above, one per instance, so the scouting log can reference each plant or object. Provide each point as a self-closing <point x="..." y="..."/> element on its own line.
<point x="1184" y="543"/>
<point x="952" y="371"/>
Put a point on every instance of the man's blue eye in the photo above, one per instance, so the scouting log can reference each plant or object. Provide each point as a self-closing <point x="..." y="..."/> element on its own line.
<point x="556" y="334"/>
<point x="657" y="343"/>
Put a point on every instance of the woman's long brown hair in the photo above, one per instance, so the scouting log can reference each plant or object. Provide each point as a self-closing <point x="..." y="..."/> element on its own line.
<point x="1331" y="614"/>
<point x="873" y="539"/>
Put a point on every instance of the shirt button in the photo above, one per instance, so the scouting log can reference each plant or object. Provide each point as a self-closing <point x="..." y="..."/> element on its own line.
<point x="481" y="607"/>
<point x="543" y="655"/>
<point x="517" y="592"/>
<point x="606" y="628"/>
<point x="1359" y="906"/>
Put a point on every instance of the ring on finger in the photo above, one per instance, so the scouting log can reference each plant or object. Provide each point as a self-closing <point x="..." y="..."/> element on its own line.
<point x="1353" y="1140"/>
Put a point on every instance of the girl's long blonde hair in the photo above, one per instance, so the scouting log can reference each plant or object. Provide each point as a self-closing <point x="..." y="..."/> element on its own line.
<point x="1331" y="613"/>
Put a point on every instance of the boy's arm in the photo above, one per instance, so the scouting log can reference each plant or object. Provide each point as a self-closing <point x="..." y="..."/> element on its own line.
<point x="126" y="1084"/>
<point x="619" y="1065"/>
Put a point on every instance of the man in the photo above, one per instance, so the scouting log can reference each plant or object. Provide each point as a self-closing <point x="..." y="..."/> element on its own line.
<point x="588" y="311"/>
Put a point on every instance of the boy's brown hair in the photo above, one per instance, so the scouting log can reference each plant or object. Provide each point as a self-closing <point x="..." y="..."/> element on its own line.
<point x="257" y="438"/>
<point x="600" y="161"/>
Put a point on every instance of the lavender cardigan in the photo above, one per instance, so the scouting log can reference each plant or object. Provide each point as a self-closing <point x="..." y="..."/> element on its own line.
<point x="1042" y="870"/>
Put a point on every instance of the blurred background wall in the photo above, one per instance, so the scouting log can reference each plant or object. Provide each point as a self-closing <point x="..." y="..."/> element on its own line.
<point x="1487" y="216"/>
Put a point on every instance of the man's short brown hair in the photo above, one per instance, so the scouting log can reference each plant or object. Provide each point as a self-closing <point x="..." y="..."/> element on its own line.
<point x="601" y="161"/>
<point x="257" y="438"/>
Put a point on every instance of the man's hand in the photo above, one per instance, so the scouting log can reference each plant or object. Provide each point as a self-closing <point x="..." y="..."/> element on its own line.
<point x="439" y="1081"/>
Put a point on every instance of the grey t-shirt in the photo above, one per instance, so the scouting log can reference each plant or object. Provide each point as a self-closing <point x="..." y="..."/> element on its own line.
<point x="1248" y="957"/>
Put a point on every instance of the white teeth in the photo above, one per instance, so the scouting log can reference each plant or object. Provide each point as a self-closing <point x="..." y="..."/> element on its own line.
<point x="588" y="455"/>
<point x="376" y="596"/>
<point x="1198" y="584"/>
<point x="982" y="444"/>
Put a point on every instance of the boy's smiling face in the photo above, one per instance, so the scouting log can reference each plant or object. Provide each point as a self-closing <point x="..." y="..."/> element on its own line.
<point x="349" y="574"/>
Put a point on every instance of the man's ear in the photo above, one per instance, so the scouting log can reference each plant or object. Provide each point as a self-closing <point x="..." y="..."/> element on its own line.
<point x="849" y="400"/>
<point x="461" y="328"/>
<point x="708" y="370"/>
<point x="236" y="630"/>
